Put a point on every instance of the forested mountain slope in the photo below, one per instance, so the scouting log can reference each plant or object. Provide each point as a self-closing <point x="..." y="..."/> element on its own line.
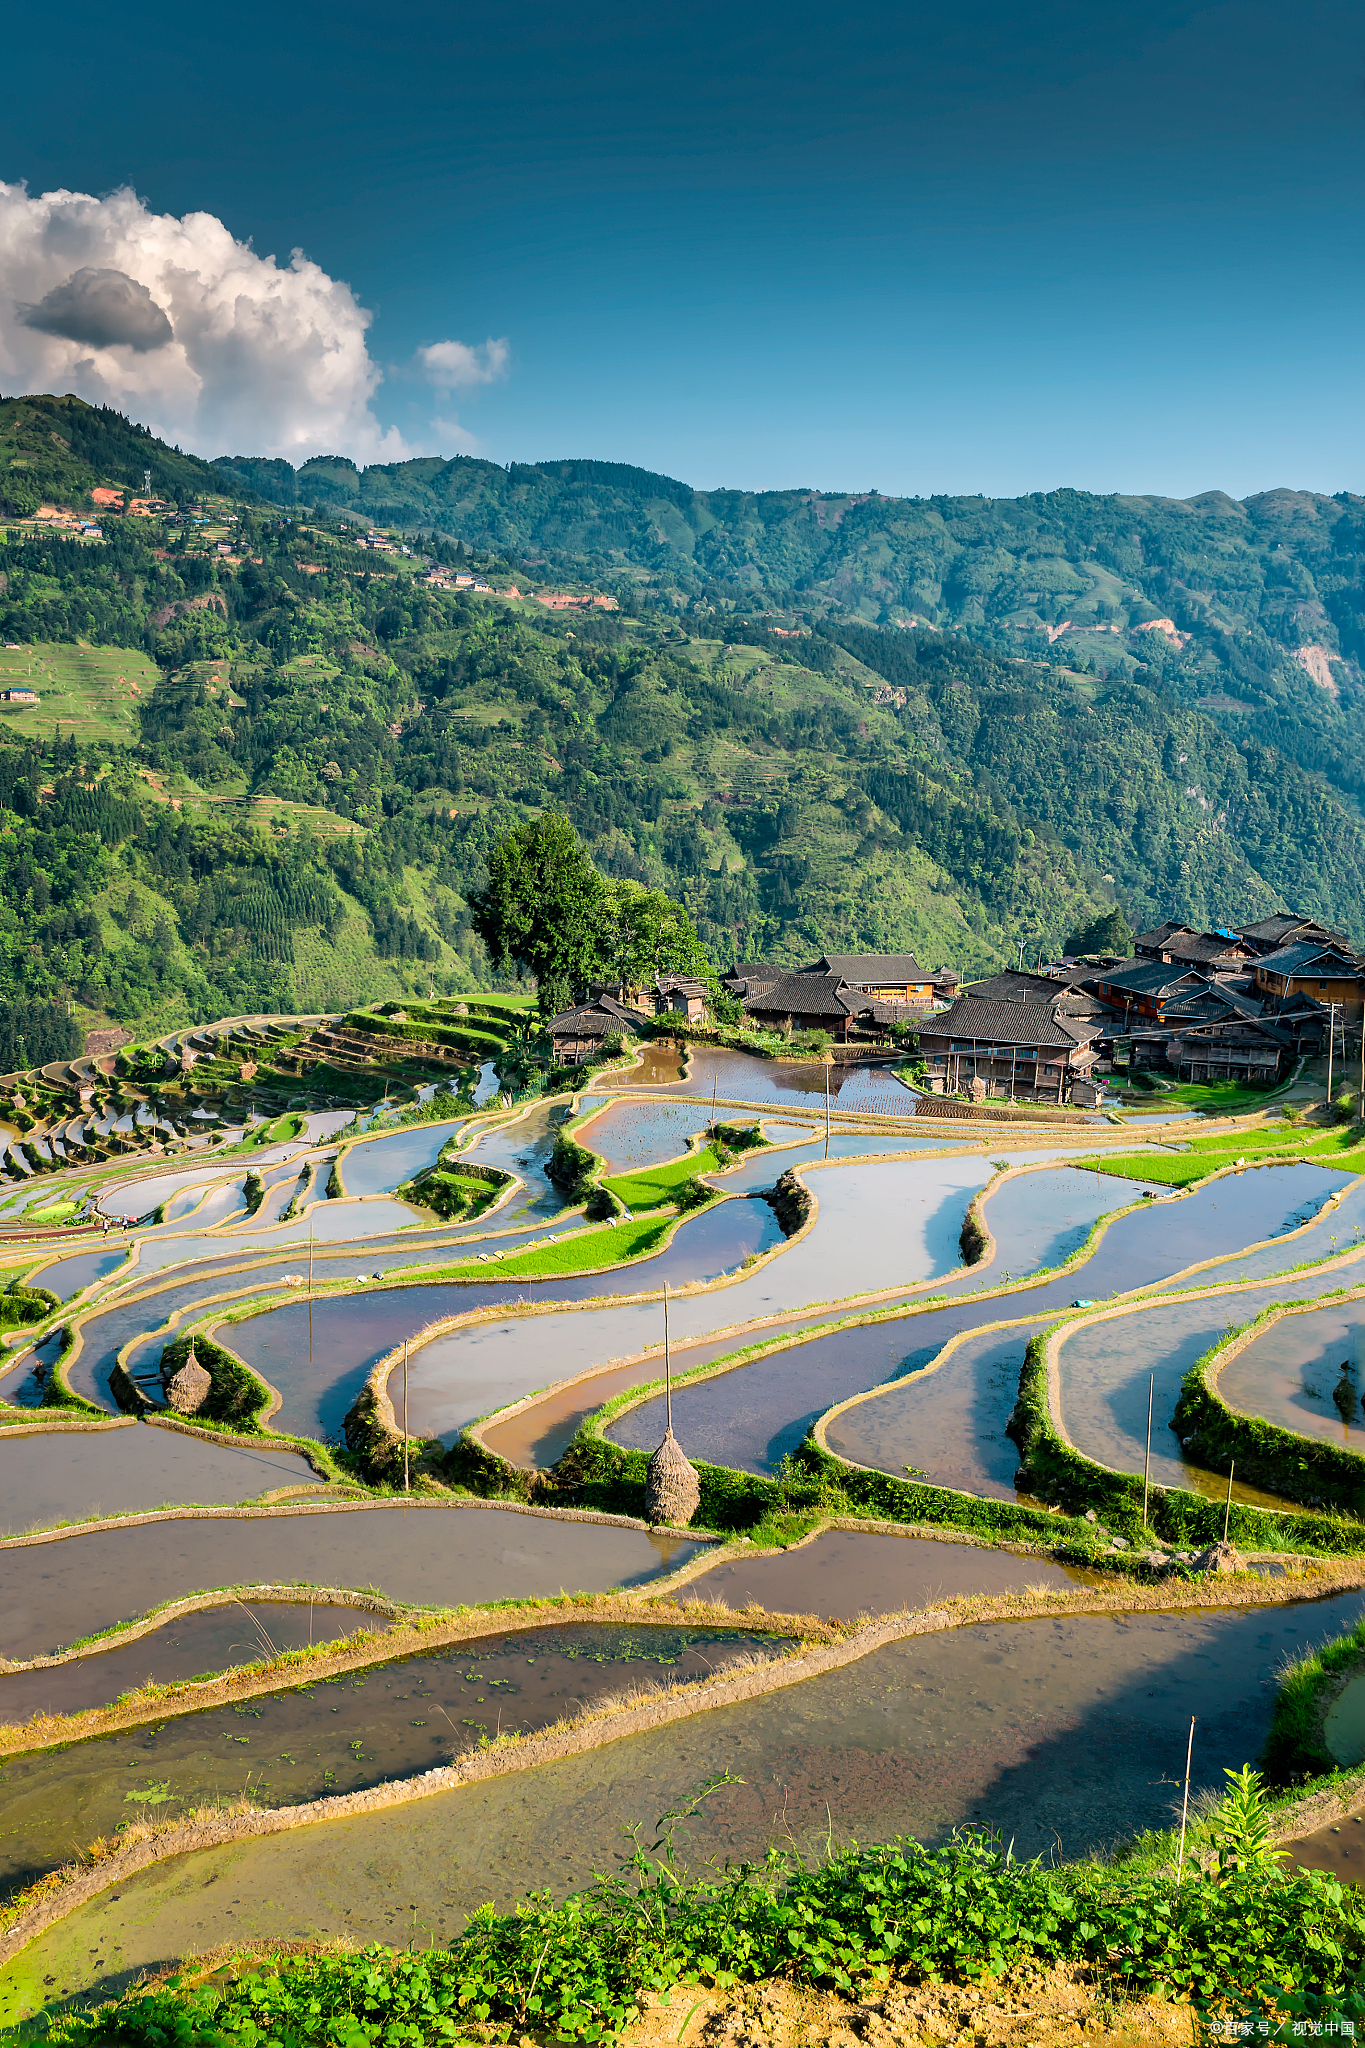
<point x="847" y="788"/>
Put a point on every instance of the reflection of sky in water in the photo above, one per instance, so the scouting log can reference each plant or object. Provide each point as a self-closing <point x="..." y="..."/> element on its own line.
<point x="1304" y="1372"/>
<point x="742" y="1077"/>
<point x="379" y="1165"/>
<point x="1105" y="1367"/>
<point x="350" y="1334"/>
<point x="68" y="1276"/>
<point x="751" y="1416"/>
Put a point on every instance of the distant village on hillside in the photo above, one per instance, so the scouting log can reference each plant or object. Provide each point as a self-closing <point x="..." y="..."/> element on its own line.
<point x="1201" y="1006"/>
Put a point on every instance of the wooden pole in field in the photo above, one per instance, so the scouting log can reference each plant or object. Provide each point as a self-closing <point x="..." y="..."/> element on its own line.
<point x="1147" y="1468"/>
<point x="1185" y="1809"/>
<point x="310" y="1290"/>
<point x="405" y="1415"/>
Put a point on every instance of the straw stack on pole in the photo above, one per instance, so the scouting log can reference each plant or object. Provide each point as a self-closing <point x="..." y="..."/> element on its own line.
<point x="672" y="1491"/>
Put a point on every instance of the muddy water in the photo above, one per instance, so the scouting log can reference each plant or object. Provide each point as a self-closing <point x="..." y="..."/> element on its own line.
<point x="338" y="1735"/>
<point x="191" y="1646"/>
<point x="1104" y="1369"/>
<point x="1338" y="1847"/>
<point x="45" y="1480"/>
<point x="1066" y="1735"/>
<point x="1344" y="1726"/>
<point x="845" y="1573"/>
<point x="660" y="1067"/>
<point x="1305" y="1373"/>
<point x="380" y="1165"/>
<point x="55" y="1593"/>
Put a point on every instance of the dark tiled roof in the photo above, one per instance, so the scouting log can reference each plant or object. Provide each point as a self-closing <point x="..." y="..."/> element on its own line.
<point x="1146" y="977"/>
<point x="1300" y="958"/>
<point x="604" y="1014"/>
<point x="1161" y="934"/>
<point x="1287" y="925"/>
<point x="809" y="995"/>
<point x="1203" y="948"/>
<point x="1004" y="1024"/>
<point x="1012" y="985"/>
<point x="856" y="967"/>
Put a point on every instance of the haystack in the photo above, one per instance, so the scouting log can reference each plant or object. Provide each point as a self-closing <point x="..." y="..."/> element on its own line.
<point x="188" y="1389"/>
<point x="672" y="1491"/>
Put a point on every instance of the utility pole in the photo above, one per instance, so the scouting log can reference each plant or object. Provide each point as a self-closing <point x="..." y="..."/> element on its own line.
<point x="310" y="1291"/>
<point x="405" y="1415"/>
<point x="828" y="1064"/>
<point x="1331" y="1044"/>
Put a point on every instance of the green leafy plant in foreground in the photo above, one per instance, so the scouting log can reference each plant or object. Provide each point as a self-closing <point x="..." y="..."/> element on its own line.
<point x="965" y="1910"/>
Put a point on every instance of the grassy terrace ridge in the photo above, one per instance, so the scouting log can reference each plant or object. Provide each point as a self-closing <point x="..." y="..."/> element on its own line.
<point x="1344" y="1148"/>
<point x="587" y="1251"/>
<point x="654" y="1186"/>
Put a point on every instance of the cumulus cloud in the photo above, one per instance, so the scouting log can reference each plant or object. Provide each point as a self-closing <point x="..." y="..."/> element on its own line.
<point x="177" y="323"/>
<point x="455" y="366"/>
<point x="106" y="308"/>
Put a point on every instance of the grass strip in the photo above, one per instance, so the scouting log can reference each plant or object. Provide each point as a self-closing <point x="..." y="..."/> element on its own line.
<point x="587" y="1251"/>
<point x="1343" y="1149"/>
<point x="656" y="1185"/>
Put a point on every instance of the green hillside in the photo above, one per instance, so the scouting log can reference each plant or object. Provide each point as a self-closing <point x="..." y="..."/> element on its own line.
<point x="294" y="807"/>
<point x="57" y="450"/>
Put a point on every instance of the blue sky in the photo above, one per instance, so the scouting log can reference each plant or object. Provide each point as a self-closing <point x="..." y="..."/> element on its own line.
<point x="987" y="248"/>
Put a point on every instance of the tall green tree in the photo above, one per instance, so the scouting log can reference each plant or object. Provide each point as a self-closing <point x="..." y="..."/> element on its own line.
<point x="648" y="934"/>
<point x="546" y="908"/>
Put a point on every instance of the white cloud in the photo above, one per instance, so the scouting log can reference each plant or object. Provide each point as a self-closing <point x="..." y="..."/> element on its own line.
<point x="455" y="366"/>
<point x="190" y="331"/>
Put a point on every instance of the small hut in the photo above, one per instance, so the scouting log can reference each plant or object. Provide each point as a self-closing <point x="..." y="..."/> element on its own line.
<point x="188" y="1389"/>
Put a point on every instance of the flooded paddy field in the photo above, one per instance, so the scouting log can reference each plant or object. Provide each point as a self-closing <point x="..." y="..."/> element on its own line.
<point x="193" y="1645"/>
<point x="341" y="1734"/>
<point x="56" y="1592"/>
<point x="632" y="1135"/>
<point x="1066" y="1734"/>
<point x="860" y="1090"/>
<point x="350" y="1334"/>
<point x="1104" y="1370"/>
<point x="1304" y="1373"/>
<point x="946" y="1426"/>
<point x="753" y="1415"/>
<point x="135" y="1469"/>
<point x="66" y="1277"/>
<point x="844" y="1573"/>
<point x="379" y="1165"/>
